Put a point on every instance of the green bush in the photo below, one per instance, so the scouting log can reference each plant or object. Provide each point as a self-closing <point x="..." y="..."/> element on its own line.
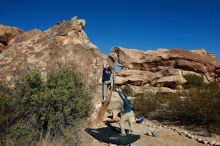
<point x="144" y="105"/>
<point x="202" y="104"/>
<point x="128" y="90"/>
<point x="149" y="103"/>
<point x="195" y="106"/>
<point x="36" y="108"/>
<point x="193" y="81"/>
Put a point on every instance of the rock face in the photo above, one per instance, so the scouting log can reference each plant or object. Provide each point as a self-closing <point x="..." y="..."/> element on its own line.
<point x="6" y="35"/>
<point x="64" y="43"/>
<point x="136" y="77"/>
<point x="163" y="68"/>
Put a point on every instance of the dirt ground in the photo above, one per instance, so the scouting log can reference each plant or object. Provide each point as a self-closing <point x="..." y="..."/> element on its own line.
<point x="167" y="137"/>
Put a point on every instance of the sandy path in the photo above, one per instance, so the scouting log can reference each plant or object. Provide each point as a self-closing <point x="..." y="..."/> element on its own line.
<point x="167" y="137"/>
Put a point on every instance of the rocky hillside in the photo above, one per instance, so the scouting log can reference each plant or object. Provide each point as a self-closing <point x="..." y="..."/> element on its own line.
<point x="6" y="35"/>
<point x="65" y="43"/>
<point x="163" y="70"/>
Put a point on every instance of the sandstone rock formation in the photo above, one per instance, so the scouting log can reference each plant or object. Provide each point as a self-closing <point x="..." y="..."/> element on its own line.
<point x="64" y="43"/>
<point x="67" y="44"/>
<point x="136" y="77"/>
<point x="163" y="68"/>
<point x="6" y="35"/>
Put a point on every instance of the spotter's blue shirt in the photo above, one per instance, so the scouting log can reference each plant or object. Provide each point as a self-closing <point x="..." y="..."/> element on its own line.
<point x="127" y="104"/>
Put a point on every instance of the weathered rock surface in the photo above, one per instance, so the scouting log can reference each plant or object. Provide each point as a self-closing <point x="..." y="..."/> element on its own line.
<point x="116" y="102"/>
<point x="64" y="43"/>
<point x="7" y="29"/>
<point x="1" y="48"/>
<point x="7" y="33"/>
<point x="204" y="53"/>
<point x="151" y="89"/>
<point x="163" y="67"/>
<point x="135" y="77"/>
<point x="171" y="80"/>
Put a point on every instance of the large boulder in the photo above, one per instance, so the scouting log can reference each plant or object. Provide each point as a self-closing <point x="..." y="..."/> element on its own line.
<point x="1" y="48"/>
<point x="7" y="33"/>
<point x="116" y="102"/>
<point x="174" y="58"/>
<point x="163" y="67"/>
<point x="135" y="77"/>
<point x="171" y="81"/>
<point x="204" y="53"/>
<point x="150" y="89"/>
<point x="64" y="43"/>
<point x="145" y="60"/>
<point x="8" y="29"/>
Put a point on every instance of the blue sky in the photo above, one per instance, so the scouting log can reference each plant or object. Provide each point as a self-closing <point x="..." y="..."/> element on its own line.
<point x="140" y="24"/>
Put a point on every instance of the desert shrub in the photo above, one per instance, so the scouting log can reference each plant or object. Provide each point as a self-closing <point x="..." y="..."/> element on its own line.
<point x="115" y="87"/>
<point x="128" y="90"/>
<point x="4" y="95"/>
<point x="3" y="98"/>
<point x="154" y="105"/>
<point x="144" y="104"/>
<point x="202" y="104"/>
<point x="194" y="106"/>
<point x="36" y="108"/>
<point x="193" y="81"/>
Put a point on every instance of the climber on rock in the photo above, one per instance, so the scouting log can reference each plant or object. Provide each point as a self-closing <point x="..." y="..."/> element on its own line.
<point x="107" y="79"/>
